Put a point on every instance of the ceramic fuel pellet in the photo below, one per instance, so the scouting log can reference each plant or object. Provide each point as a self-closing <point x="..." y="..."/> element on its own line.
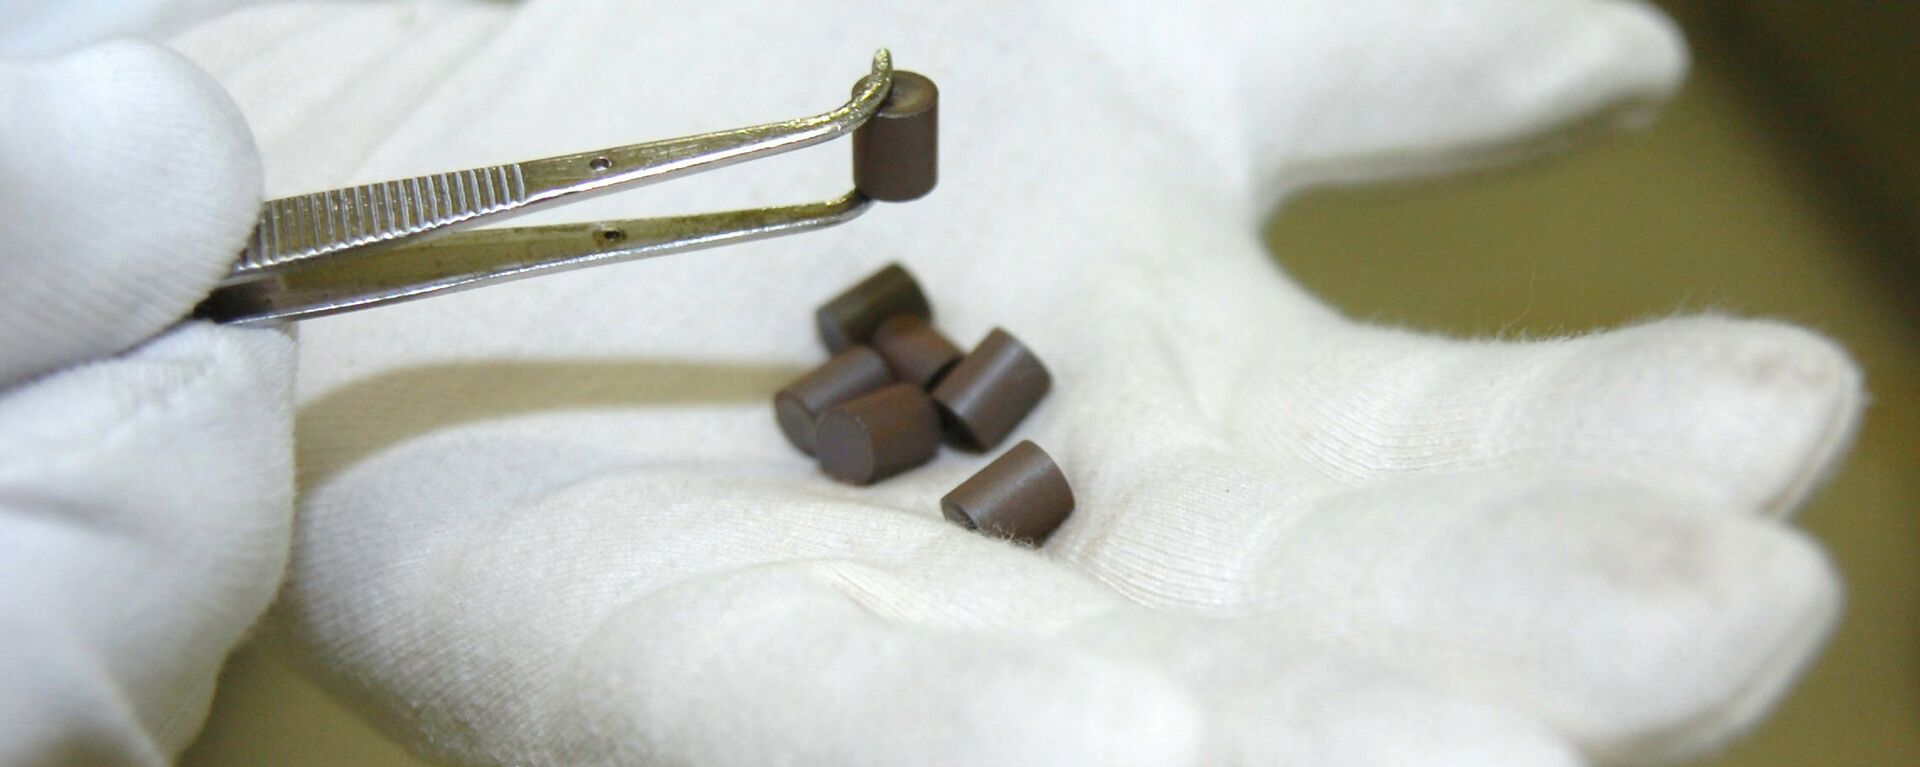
<point x="1020" y="496"/>
<point x="987" y="393"/>
<point x="849" y="374"/>
<point x="896" y="152"/>
<point x="877" y="435"/>
<point x="851" y="317"/>
<point x="914" y="349"/>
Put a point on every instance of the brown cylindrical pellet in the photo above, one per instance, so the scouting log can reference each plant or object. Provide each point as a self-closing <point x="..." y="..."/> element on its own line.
<point x="1021" y="495"/>
<point x="849" y="374"/>
<point x="850" y="317"/>
<point x="914" y="349"/>
<point x="987" y="393"/>
<point x="877" y="435"/>
<point x="896" y="152"/>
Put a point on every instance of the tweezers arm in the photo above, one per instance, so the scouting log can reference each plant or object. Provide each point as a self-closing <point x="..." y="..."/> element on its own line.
<point x="310" y="226"/>
<point x="409" y="270"/>
<point x="292" y="229"/>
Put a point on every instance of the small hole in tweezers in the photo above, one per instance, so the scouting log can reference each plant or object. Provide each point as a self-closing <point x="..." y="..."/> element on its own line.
<point x="600" y="164"/>
<point x="612" y="235"/>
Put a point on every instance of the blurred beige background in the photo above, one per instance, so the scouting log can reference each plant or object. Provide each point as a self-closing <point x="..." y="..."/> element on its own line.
<point x="1782" y="183"/>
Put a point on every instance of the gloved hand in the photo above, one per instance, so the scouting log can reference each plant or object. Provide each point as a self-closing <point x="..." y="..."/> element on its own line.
<point x="554" y="523"/>
<point x="145" y="466"/>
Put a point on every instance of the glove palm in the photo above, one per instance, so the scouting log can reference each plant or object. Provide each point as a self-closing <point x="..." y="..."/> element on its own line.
<point x="553" y="522"/>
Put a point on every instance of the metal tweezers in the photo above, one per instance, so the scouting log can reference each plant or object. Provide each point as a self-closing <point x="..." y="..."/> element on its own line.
<point x="346" y="249"/>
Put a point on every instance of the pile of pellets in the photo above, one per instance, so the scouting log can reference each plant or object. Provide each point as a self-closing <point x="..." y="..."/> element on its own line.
<point x="895" y="388"/>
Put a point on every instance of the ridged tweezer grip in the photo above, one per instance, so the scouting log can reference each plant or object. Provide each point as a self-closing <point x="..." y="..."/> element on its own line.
<point x="296" y="228"/>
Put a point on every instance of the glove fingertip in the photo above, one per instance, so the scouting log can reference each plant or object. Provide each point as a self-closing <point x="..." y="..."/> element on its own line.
<point x="133" y="182"/>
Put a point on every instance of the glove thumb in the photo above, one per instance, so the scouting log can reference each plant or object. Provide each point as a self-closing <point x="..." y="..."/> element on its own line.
<point x="146" y="506"/>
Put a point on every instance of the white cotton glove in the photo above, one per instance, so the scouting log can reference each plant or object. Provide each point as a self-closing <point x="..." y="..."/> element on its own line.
<point x="554" y="523"/>
<point x="145" y="472"/>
